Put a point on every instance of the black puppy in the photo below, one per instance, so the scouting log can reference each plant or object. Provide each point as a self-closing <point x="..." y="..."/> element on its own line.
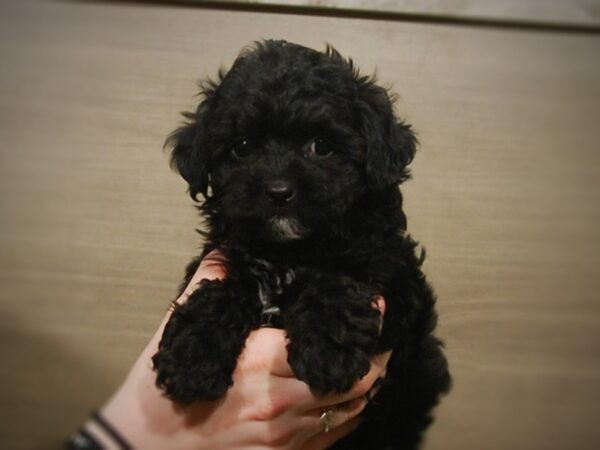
<point x="299" y="159"/>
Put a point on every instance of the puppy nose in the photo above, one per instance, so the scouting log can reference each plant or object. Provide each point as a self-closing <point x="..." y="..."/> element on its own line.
<point x="280" y="192"/>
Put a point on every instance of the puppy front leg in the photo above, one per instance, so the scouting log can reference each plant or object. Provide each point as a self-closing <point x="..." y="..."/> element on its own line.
<point x="202" y="341"/>
<point x="333" y="328"/>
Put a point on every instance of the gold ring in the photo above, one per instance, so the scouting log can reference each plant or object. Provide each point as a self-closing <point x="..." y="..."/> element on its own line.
<point x="326" y="420"/>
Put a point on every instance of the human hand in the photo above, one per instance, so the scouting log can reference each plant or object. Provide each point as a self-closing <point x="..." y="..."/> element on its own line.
<point x="267" y="407"/>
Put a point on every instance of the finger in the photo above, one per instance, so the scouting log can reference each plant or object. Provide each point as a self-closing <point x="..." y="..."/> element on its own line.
<point x="371" y="393"/>
<point x="274" y="343"/>
<point x="380" y="303"/>
<point x="326" y="440"/>
<point x="303" y="399"/>
<point x="337" y="414"/>
<point x="266" y="350"/>
<point x="212" y="267"/>
<point x="299" y="393"/>
<point x="336" y="417"/>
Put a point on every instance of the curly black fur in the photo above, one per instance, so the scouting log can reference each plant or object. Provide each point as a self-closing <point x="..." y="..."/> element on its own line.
<point x="299" y="158"/>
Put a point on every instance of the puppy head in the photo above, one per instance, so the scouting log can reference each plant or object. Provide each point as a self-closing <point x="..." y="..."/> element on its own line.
<point x="288" y="140"/>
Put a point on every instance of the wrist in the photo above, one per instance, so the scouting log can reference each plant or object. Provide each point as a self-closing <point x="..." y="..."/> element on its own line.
<point x="138" y="409"/>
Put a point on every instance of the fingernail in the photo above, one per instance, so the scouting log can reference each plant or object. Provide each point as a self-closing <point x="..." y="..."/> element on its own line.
<point x="380" y="304"/>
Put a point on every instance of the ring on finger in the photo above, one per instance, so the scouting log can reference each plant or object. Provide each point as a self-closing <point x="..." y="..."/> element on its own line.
<point x="326" y="420"/>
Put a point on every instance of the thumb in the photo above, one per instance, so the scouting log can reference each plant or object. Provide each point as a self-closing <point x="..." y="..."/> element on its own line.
<point x="266" y="350"/>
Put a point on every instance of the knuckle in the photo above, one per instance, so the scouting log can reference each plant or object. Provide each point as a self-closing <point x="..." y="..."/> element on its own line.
<point x="269" y="408"/>
<point x="250" y="362"/>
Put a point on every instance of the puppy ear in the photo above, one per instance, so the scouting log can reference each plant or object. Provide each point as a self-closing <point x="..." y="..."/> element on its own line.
<point x="186" y="157"/>
<point x="391" y="144"/>
<point x="190" y="155"/>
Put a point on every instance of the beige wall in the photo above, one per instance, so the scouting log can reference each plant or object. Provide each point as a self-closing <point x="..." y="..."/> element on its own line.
<point x="95" y="230"/>
<point x="561" y="13"/>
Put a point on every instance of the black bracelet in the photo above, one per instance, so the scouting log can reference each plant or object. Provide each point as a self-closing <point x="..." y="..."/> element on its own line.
<point x="110" y="431"/>
<point x="82" y="440"/>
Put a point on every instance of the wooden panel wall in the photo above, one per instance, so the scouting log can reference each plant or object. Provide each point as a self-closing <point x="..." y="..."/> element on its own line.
<point x="95" y="230"/>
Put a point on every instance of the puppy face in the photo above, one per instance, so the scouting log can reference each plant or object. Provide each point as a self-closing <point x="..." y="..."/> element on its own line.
<point x="289" y="140"/>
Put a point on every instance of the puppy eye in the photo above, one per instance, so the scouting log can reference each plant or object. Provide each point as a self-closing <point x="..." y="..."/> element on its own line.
<point x="319" y="147"/>
<point x="241" y="149"/>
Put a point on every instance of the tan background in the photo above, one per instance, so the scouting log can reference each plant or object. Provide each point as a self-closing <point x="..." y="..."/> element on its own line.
<point x="95" y="230"/>
<point x="562" y="13"/>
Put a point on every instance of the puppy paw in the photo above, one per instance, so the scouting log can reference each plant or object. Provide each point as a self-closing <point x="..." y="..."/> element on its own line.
<point x="328" y="368"/>
<point x="333" y="328"/>
<point x="186" y="380"/>
<point x="200" y="345"/>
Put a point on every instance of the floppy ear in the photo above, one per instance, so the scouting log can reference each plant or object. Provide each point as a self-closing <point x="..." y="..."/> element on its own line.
<point x="187" y="157"/>
<point x="190" y="155"/>
<point x="391" y="144"/>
